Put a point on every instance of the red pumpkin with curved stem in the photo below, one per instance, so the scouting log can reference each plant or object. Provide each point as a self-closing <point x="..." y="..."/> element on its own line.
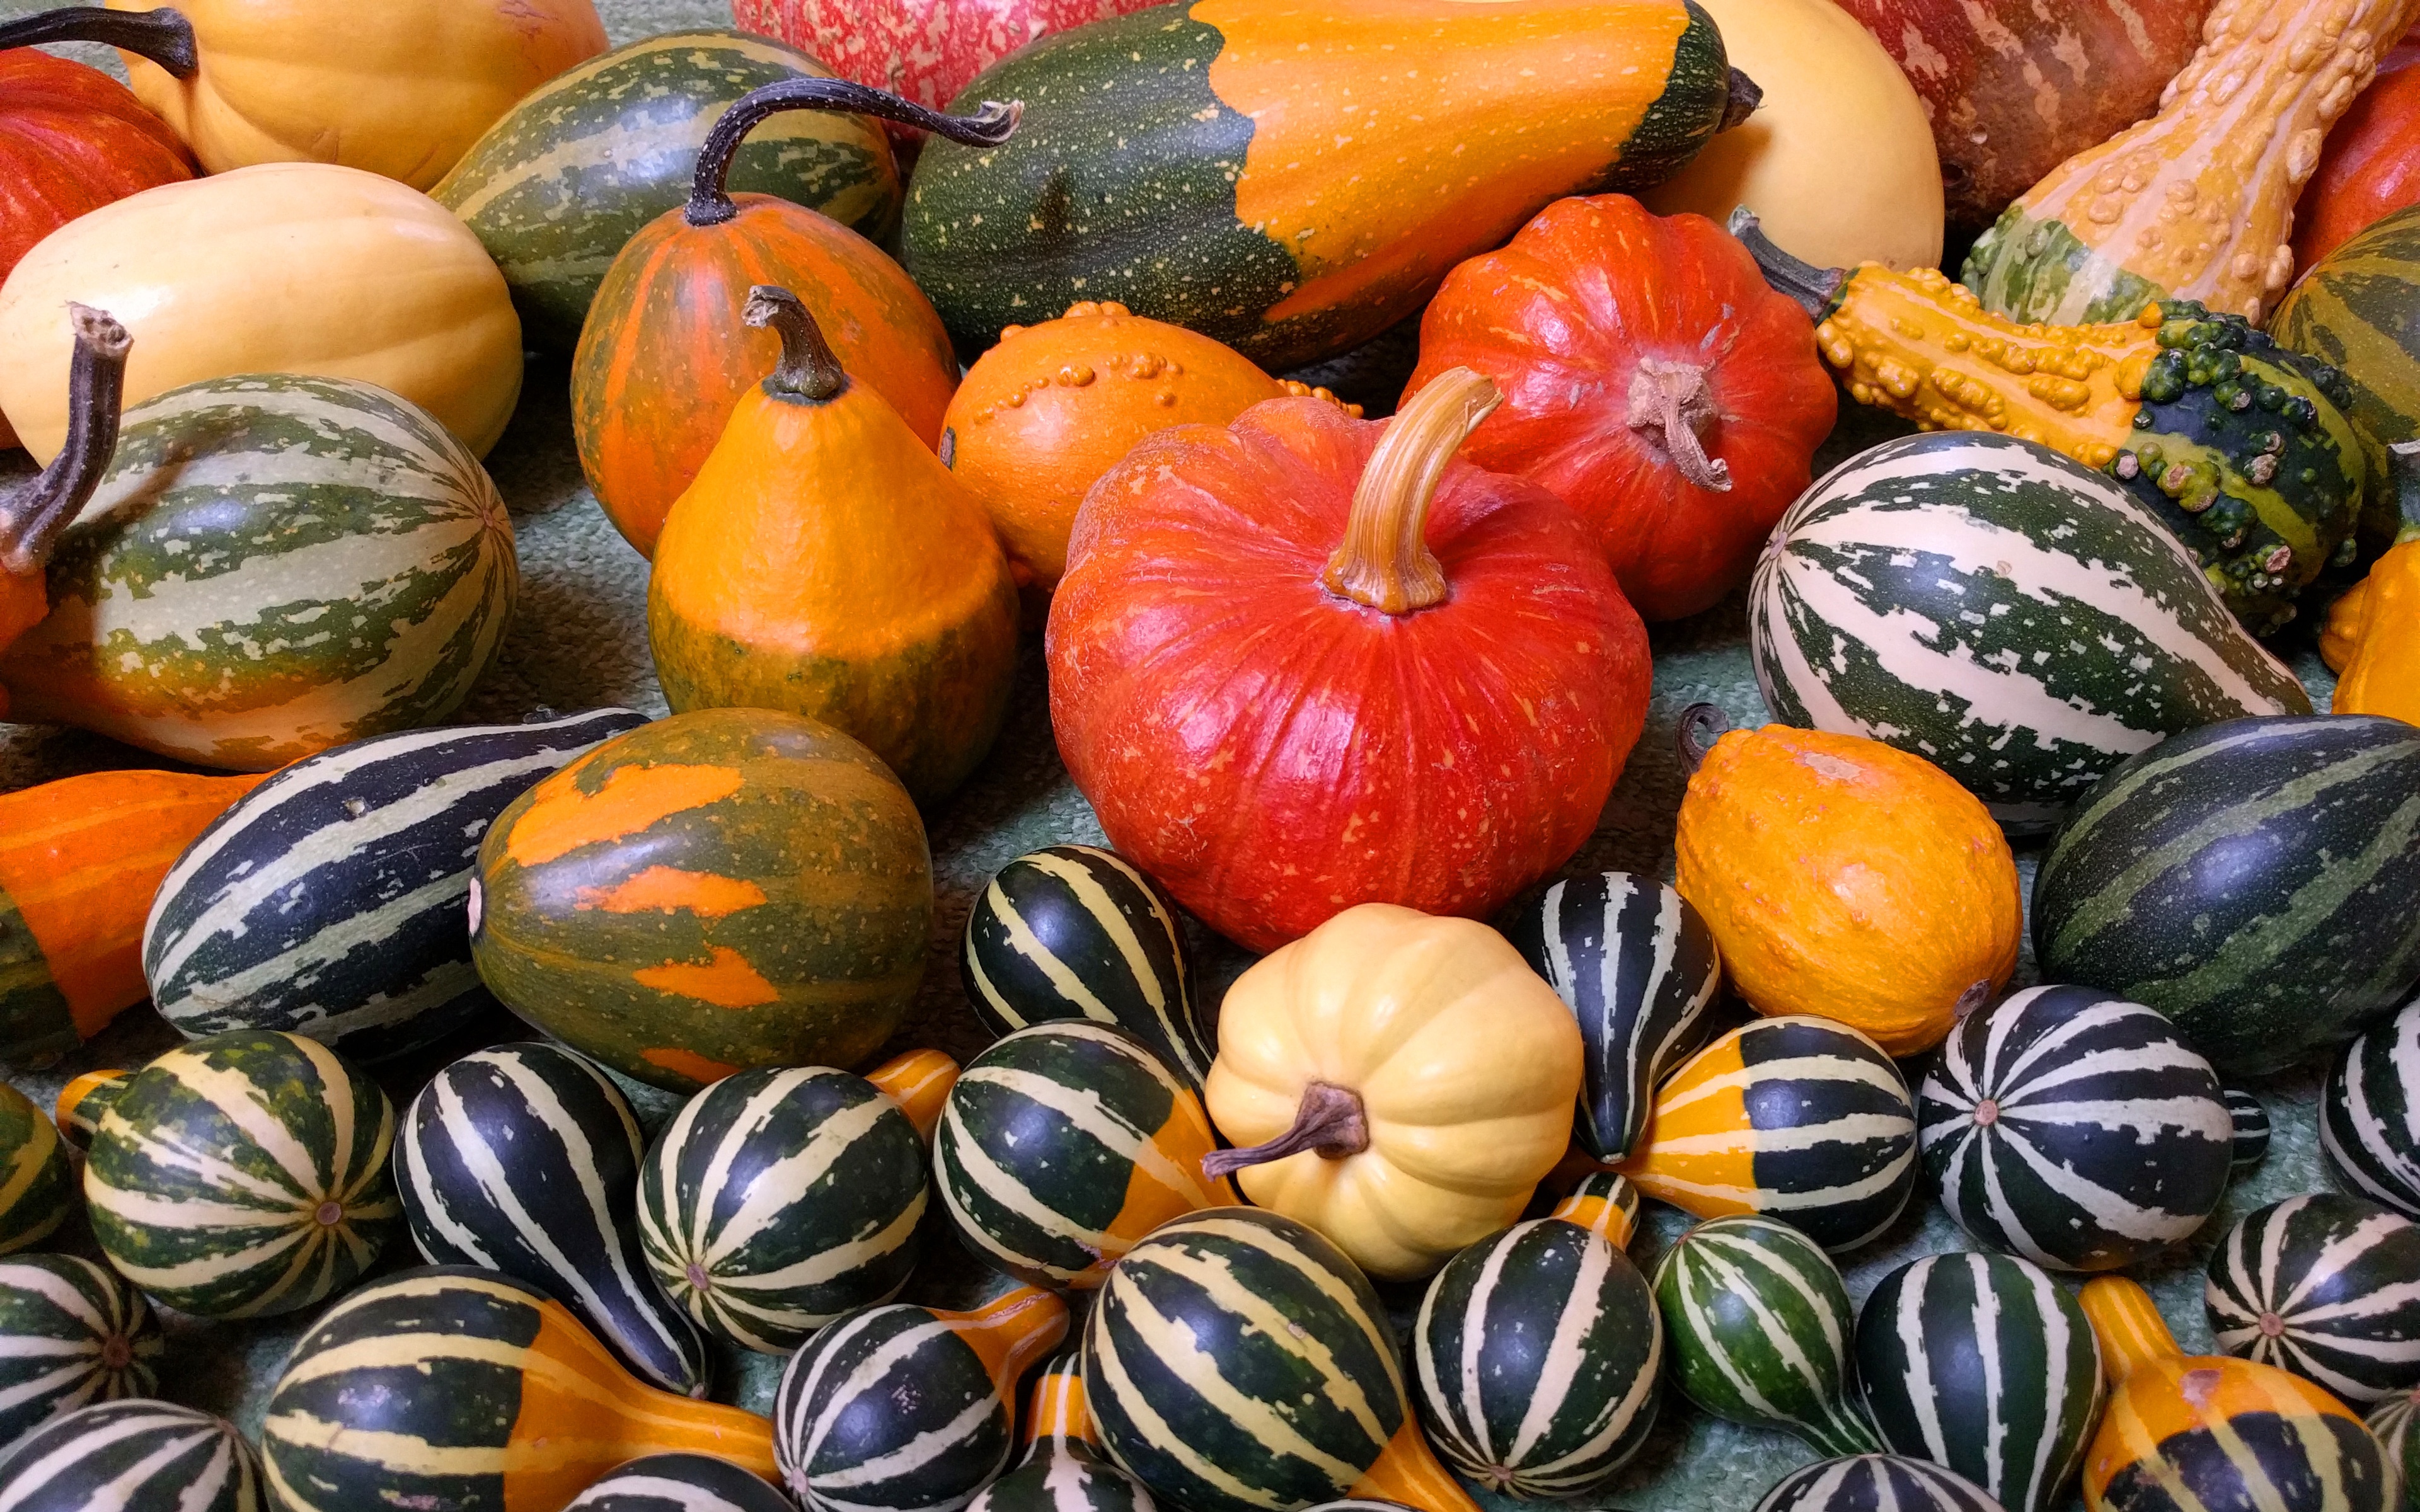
<point x="1308" y="661"/>
<point x="1652" y="380"/>
<point x="2371" y="167"/>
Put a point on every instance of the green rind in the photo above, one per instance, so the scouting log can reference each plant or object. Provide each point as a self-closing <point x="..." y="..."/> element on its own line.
<point x="71" y="1334"/>
<point x="1696" y="93"/>
<point x="2039" y="272"/>
<point x="37" y="1184"/>
<point x="36" y="1026"/>
<point x="2358" y="310"/>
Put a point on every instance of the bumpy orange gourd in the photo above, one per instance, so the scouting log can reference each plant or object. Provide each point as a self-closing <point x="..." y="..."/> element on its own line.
<point x="2372" y="639"/>
<point x="826" y="563"/>
<point x="1848" y="880"/>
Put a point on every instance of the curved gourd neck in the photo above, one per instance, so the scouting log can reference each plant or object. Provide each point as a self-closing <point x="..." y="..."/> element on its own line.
<point x="1011" y="1332"/>
<point x="1059" y="1418"/>
<point x="1607" y="1205"/>
<point x="2127" y="1324"/>
<point x="164" y="36"/>
<point x="920" y="1083"/>
<point x="1385" y="563"/>
<point x="1407" y="1473"/>
<point x="33" y="519"/>
<point x="709" y="199"/>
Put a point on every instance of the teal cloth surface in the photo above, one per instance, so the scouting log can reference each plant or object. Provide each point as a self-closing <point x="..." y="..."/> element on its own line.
<point x="579" y="642"/>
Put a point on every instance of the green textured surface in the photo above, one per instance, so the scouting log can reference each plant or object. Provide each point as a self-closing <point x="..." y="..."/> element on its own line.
<point x="580" y="640"/>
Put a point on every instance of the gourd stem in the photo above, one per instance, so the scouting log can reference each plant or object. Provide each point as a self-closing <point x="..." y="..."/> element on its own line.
<point x="1385" y="562"/>
<point x="710" y="201"/>
<point x="162" y="35"/>
<point x="31" y="519"/>
<point x="2404" y="473"/>
<point x="1816" y="289"/>
<point x="1701" y="725"/>
<point x="2127" y="1324"/>
<point x="1673" y="401"/>
<point x="1745" y="95"/>
<point x="808" y="370"/>
<point x="1328" y="1121"/>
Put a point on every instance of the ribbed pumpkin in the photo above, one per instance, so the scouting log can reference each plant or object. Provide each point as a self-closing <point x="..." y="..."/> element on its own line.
<point x="2369" y="1113"/>
<point x="36" y="1183"/>
<point x="1064" y="1468"/>
<point x="658" y="371"/>
<point x="2324" y="1286"/>
<point x="1875" y="1483"/>
<point x="680" y="1483"/>
<point x="721" y="889"/>
<point x="71" y="1333"/>
<point x="135" y="1454"/>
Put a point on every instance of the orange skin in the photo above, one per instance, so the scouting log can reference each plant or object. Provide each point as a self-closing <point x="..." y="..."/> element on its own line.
<point x="24" y="599"/>
<point x="920" y="1082"/>
<point x="2373" y="640"/>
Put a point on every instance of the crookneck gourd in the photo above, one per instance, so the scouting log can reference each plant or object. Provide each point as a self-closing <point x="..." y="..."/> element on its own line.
<point x="2372" y="639"/>
<point x="2240" y="447"/>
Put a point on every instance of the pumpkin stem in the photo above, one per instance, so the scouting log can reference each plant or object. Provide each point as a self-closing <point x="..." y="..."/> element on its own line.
<point x="1701" y="725"/>
<point x="1673" y="400"/>
<point x="710" y="201"/>
<point x="1816" y="289"/>
<point x="162" y="35"/>
<point x="2403" y="472"/>
<point x="31" y="520"/>
<point x="1328" y="1121"/>
<point x="1385" y="562"/>
<point x="808" y="370"/>
<point x="1745" y="95"/>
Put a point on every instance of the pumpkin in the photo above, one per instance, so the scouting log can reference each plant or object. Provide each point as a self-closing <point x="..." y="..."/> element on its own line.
<point x="927" y="53"/>
<point x="2249" y="1143"/>
<point x="71" y="1332"/>
<point x="1242" y="605"/>
<point x="1838" y="159"/>
<point x="2369" y="166"/>
<point x="82" y="1101"/>
<point x="1041" y="416"/>
<point x="1843" y="878"/>
<point x="1400" y="1083"/>
<point x="1651" y="380"/>
<point x="2200" y="1433"/>
<point x="2369" y="1112"/>
<point x="2196" y="203"/>
<point x="2321" y="1286"/>
<point x="1064" y="1468"/>
<point x="2373" y="632"/>
<point x="658" y="371"/>
<point x="1875" y="1483"/>
<point x="719" y="891"/>
<point x="1293" y="189"/>
<point x="400" y="89"/>
<point x="80" y="860"/>
<point x="902" y="1408"/>
<point x="37" y="1184"/>
<point x="451" y="1387"/>
<point x="680" y="1483"/>
<point x="134" y="1453"/>
<point x="823" y="563"/>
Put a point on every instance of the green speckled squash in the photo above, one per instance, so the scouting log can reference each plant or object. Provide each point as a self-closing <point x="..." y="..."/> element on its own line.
<point x="37" y="1188"/>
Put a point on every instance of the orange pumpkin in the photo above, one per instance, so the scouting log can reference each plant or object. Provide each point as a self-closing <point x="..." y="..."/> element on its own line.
<point x="32" y="518"/>
<point x="1848" y="880"/>
<point x="656" y="372"/>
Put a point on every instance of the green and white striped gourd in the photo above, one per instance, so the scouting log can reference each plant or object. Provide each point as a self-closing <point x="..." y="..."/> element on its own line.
<point x="2369" y="1113"/>
<point x="2250" y="1121"/>
<point x="524" y="1159"/>
<point x="37" y="1184"/>
<point x="1757" y="1324"/>
<point x="245" y="1175"/>
<point x="2391" y="1422"/>
<point x="2014" y="617"/>
<point x="1983" y="1365"/>
<point x="680" y="1483"/>
<point x="1073" y="932"/>
<point x="1875" y="1483"/>
<point x="135" y="1455"/>
<point x="903" y="1409"/>
<point x="82" y="1103"/>
<point x="778" y="1200"/>
<point x="2324" y="1286"/>
<point x="1064" y="1468"/>
<point x="1639" y="969"/>
<point x="71" y="1333"/>
<point x="273" y="564"/>
<point x="1065" y="1143"/>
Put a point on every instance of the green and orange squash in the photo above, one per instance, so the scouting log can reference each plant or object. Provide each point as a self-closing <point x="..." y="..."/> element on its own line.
<point x="36" y="1186"/>
<point x="2354" y="309"/>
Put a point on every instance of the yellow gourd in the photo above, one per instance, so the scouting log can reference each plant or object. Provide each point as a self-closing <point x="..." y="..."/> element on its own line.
<point x="1401" y="1083"/>
<point x="2372" y="639"/>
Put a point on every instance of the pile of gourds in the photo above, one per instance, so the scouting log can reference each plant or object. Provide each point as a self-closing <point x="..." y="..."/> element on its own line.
<point x="1342" y="690"/>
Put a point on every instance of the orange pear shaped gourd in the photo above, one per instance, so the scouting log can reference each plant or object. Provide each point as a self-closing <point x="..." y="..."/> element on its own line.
<point x="824" y="562"/>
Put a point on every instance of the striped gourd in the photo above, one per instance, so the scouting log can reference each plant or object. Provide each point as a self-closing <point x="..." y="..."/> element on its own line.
<point x="1757" y="1323"/>
<point x="1064" y="1468"/>
<point x="245" y="1175"/>
<point x="1534" y="1359"/>
<point x="82" y="1101"/>
<point x="36" y="1186"/>
<point x="2001" y="610"/>
<point x="71" y="1334"/>
<point x="2326" y="1286"/>
<point x="1796" y="1117"/>
<point x="1875" y="1483"/>
<point x="470" y="1391"/>
<point x="680" y="1483"/>
<point x="2076" y="1129"/>
<point x="2252" y="880"/>
<point x="137" y="1456"/>
<point x="272" y="566"/>
<point x="1605" y="1204"/>
<point x="777" y="1201"/>
<point x="903" y="1409"/>
<point x="2391" y="1423"/>
<point x="2369" y="1113"/>
<point x="1639" y="969"/>
<point x="1982" y="1363"/>
<point x="2353" y="309"/>
<point x="2249" y="1122"/>
<point x="1077" y="931"/>
<point x="555" y="188"/>
<point x="327" y="901"/>
<point x="1064" y="1145"/>
<point x="524" y="1159"/>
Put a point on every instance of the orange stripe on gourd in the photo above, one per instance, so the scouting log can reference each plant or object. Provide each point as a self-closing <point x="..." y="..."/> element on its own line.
<point x="920" y="1082"/>
<point x="726" y="980"/>
<point x="669" y="889"/>
<point x="565" y="816"/>
<point x="1708" y="1102"/>
<point x="1184" y="1138"/>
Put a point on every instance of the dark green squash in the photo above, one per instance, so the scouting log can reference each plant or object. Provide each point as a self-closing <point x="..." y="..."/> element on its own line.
<point x="37" y="1186"/>
<point x="2322" y="1285"/>
<point x="71" y="1333"/>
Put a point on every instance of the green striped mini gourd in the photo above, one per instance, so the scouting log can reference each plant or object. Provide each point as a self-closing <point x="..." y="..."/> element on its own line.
<point x="71" y="1333"/>
<point x="245" y="1175"/>
<point x="680" y="1483"/>
<point x="82" y="1103"/>
<point x="2327" y="1286"/>
<point x="2391" y="1423"/>
<point x="2354" y="308"/>
<point x="36" y="1186"/>
<point x="2250" y="1125"/>
<point x="134" y="1456"/>
<point x="1875" y="1483"/>
<point x="1064" y="1468"/>
<point x="2369" y="1113"/>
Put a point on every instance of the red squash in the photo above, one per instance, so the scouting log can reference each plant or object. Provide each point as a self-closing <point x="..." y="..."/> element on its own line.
<point x="925" y="50"/>
<point x="2371" y="167"/>
<point x="1307" y="661"/>
<point x="1652" y="380"/>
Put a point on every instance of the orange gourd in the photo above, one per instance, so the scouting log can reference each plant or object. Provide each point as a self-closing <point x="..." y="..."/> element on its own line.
<point x="824" y="564"/>
<point x="1844" y="879"/>
<point x="33" y="519"/>
<point x="657" y="371"/>
<point x="2372" y="639"/>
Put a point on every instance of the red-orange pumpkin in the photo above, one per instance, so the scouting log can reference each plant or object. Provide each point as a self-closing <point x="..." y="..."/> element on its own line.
<point x="1651" y="380"/>
<point x="1297" y="666"/>
<point x="658" y="371"/>
<point x="2371" y="167"/>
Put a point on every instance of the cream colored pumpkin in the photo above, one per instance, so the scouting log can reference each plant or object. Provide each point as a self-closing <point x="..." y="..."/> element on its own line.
<point x="1838" y="161"/>
<point x="1460" y="1064"/>
<point x="288" y="268"/>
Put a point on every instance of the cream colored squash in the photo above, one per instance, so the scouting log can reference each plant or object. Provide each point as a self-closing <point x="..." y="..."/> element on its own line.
<point x="1838" y="161"/>
<point x="399" y="88"/>
<point x="1406" y="1081"/>
<point x="286" y="268"/>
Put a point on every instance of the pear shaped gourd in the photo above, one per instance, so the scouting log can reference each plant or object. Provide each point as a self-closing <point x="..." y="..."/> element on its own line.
<point x="1064" y="1468"/>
